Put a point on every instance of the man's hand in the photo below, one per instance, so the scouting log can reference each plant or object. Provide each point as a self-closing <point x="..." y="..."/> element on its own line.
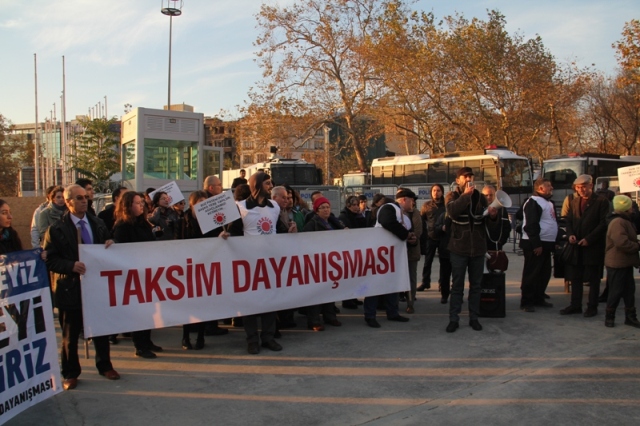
<point x="293" y="227"/>
<point x="537" y="251"/>
<point x="572" y="239"/>
<point x="412" y="239"/>
<point x="108" y="243"/>
<point x="224" y="235"/>
<point x="583" y="242"/>
<point x="493" y="212"/>
<point x="79" y="268"/>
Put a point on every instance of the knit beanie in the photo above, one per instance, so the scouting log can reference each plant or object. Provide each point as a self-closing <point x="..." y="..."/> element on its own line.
<point x="621" y="203"/>
<point x="318" y="202"/>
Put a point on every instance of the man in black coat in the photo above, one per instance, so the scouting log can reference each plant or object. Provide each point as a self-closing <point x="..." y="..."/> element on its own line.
<point x="61" y="245"/>
<point x="586" y="229"/>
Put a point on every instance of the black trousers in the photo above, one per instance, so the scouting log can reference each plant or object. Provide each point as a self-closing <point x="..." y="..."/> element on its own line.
<point x="579" y="274"/>
<point x="536" y="274"/>
<point x="71" y="325"/>
<point x="445" y="276"/>
<point x="432" y="246"/>
<point x="621" y="286"/>
<point x="141" y="339"/>
<point x="268" y="321"/>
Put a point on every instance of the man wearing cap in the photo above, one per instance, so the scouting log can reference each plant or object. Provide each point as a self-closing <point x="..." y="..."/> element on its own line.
<point x="586" y="230"/>
<point x="393" y="218"/>
<point x="467" y="247"/>
<point x="539" y="232"/>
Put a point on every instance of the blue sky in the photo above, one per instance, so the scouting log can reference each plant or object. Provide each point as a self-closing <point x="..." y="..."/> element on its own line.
<point x="119" y="49"/>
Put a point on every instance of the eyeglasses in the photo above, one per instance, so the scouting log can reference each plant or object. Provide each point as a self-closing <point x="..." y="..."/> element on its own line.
<point x="80" y="197"/>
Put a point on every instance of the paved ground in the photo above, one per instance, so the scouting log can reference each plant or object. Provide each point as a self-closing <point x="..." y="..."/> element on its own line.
<point x="527" y="368"/>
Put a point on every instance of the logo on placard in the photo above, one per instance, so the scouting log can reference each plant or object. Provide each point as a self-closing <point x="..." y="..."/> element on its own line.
<point x="170" y="199"/>
<point x="219" y="218"/>
<point x="636" y="182"/>
<point x="265" y="226"/>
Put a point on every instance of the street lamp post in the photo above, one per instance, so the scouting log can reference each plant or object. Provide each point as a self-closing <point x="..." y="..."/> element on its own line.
<point x="326" y="129"/>
<point x="171" y="8"/>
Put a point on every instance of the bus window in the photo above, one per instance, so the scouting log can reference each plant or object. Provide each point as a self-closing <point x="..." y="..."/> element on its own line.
<point x="490" y="174"/>
<point x="398" y="174"/>
<point x="515" y="174"/>
<point x="437" y="172"/>
<point x="609" y="167"/>
<point x="415" y="173"/>
<point x="376" y="175"/>
<point x="563" y="173"/>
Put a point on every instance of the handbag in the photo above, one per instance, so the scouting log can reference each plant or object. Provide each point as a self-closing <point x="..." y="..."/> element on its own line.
<point x="497" y="261"/>
<point x="67" y="293"/>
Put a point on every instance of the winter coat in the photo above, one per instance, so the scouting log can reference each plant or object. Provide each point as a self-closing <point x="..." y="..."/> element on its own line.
<point x="165" y="218"/>
<point x="48" y="217"/>
<point x="468" y="235"/>
<point x="352" y="220"/>
<point x="621" y="244"/>
<point x="317" y="224"/>
<point x="413" y="250"/>
<point x="9" y="241"/>
<point x="590" y="225"/>
<point x="430" y="212"/>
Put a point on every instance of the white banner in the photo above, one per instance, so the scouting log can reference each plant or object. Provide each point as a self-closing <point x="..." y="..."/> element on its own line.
<point x="629" y="178"/>
<point x="29" y="369"/>
<point x="139" y="286"/>
<point x="216" y="211"/>
<point x="172" y="190"/>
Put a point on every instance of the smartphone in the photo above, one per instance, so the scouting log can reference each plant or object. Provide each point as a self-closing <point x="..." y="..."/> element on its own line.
<point x="470" y="184"/>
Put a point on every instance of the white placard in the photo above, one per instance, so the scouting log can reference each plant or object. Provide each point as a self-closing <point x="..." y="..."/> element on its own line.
<point x="629" y="178"/>
<point x="172" y="190"/>
<point x="216" y="211"/>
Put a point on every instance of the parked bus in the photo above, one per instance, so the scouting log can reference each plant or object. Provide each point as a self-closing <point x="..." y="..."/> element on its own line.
<point x="282" y="170"/>
<point x="563" y="170"/>
<point x="496" y="166"/>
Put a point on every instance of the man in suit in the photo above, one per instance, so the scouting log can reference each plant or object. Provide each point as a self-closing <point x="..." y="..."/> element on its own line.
<point x="61" y="244"/>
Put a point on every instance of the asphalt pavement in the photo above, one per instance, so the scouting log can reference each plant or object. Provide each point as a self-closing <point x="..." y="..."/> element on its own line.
<point x="527" y="368"/>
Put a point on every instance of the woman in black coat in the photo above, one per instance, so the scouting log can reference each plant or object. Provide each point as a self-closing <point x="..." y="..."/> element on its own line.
<point x="132" y="226"/>
<point x="350" y="216"/>
<point x="9" y="239"/>
<point x="164" y="216"/>
<point x="188" y="228"/>
<point x="320" y="222"/>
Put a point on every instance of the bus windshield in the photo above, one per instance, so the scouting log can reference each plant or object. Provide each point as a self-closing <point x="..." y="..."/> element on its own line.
<point x="516" y="175"/>
<point x="561" y="174"/>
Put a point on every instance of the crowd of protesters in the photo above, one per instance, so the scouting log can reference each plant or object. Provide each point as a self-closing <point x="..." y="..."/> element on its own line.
<point x="601" y="231"/>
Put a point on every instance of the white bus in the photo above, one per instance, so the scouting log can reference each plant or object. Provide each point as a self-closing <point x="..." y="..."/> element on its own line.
<point x="564" y="169"/>
<point x="495" y="166"/>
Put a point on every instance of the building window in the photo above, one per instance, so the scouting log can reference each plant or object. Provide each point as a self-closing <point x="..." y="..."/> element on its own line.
<point x="171" y="159"/>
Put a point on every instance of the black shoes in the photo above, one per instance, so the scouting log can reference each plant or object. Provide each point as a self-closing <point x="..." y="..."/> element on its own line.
<point x="145" y="353"/>
<point x="372" y="322"/>
<point x="528" y="308"/>
<point x="350" y="304"/>
<point x="402" y="297"/>
<point x="570" y="310"/>
<point x="113" y="339"/>
<point x="398" y="318"/>
<point x="590" y="312"/>
<point x="186" y="344"/>
<point x="475" y="325"/>
<point x="423" y="287"/>
<point x="154" y="348"/>
<point x="253" y="348"/>
<point x="453" y="326"/>
<point x="272" y="345"/>
<point x="444" y="300"/>
<point x="216" y="331"/>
